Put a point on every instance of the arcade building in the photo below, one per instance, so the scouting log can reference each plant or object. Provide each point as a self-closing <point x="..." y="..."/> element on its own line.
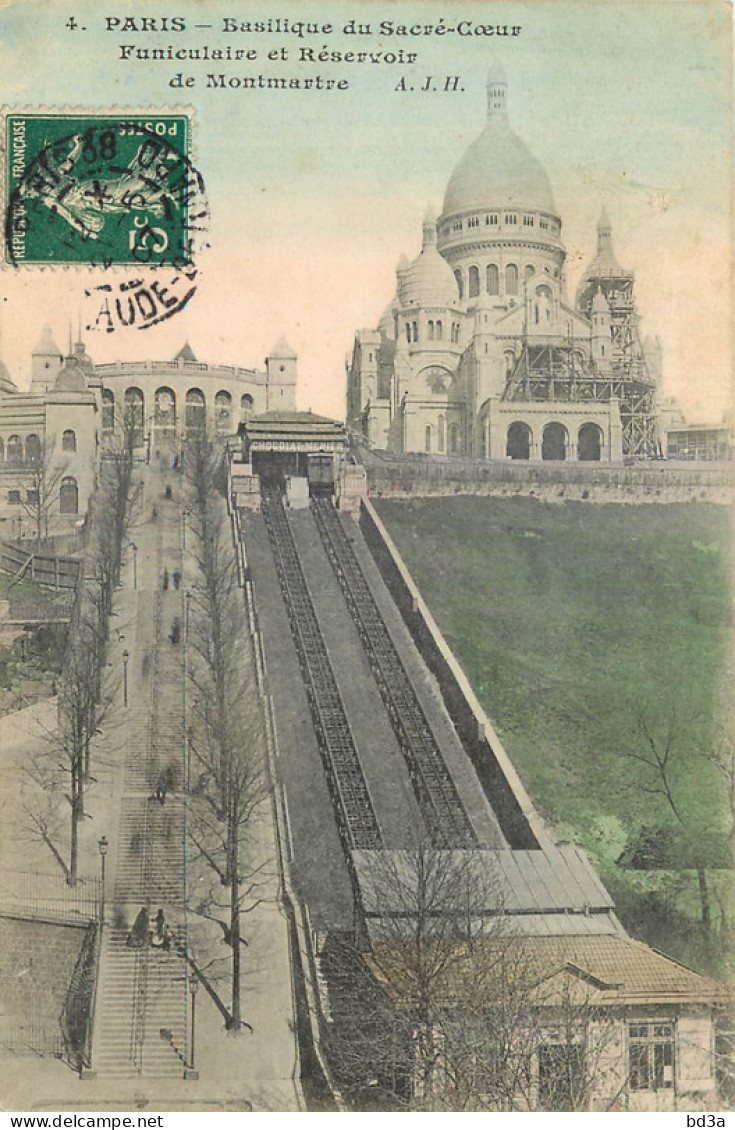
<point x="53" y="435"/>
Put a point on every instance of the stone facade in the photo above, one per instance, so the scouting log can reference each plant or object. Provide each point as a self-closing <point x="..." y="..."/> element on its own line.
<point x="53" y="436"/>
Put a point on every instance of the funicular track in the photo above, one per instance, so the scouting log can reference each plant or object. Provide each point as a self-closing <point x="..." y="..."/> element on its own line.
<point x="357" y="821"/>
<point x="436" y="793"/>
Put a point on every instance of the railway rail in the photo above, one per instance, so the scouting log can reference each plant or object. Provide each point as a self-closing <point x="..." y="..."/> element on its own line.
<point x="357" y="821"/>
<point x="436" y="793"/>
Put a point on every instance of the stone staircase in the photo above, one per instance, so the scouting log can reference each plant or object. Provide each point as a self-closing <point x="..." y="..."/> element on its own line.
<point x="141" y="1008"/>
<point x="141" y="995"/>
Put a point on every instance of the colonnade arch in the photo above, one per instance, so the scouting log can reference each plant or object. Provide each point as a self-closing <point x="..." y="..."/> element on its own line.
<point x="554" y="442"/>
<point x="589" y="443"/>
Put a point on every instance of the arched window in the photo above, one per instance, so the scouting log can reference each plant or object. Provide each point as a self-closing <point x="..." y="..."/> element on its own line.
<point x="15" y="449"/>
<point x="408" y="331"/>
<point x="427" y="438"/>
<point x="69" y="440"/>
<point x="2" y="451"/>
<point x="69" y="496"/>
<point x="511" y="279"/>
<point x="415" y="331"/>
<point x="195" y="411"/>
<point x="554" y="445"/>
<point x="453" y="439"/>
<point x="108" y="410"/>
<point x="473" y="282"/>
<point x="164" y="410"/>
<point x="430" y="327"/>
<point x="223" y="412"/>
<point x="33" y="448"/>
<point x="544" y="291"/>
<point x="439" y="331"/>
<point x="134" y="413"/>
<point x="510" y="360"/>
<point x="589" y="443"/>
<point x="460" y="283"/>
<point x="246" y="406"/>
<point x="529" y="272"/>
<point x="492" y="279"/>
<point x="518" y="445"/>
<point x="440" y="436"/>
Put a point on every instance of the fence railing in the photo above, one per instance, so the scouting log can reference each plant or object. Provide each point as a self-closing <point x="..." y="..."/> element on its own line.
<point x="32" y="1033"/>
<point x="45" y="610"/>
<point x="48" y="896"/>
<point x="21" y="561"/>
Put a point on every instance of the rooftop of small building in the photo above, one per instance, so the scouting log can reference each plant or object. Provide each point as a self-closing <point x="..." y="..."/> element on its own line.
<point x="284" y="420"/>
<point x="600" y="971"/>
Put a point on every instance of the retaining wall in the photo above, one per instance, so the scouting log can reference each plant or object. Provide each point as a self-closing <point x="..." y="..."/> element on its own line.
<point x="434" y="476"/>
<point x="520" y="823"/>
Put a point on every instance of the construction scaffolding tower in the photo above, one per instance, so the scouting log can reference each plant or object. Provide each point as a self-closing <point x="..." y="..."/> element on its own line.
<point x="553" y="371"/>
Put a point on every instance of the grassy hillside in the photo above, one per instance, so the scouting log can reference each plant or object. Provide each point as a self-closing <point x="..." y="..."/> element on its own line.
<point x="585" y="630"/>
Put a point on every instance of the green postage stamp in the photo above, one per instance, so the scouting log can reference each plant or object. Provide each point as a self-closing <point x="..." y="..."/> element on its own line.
<point x="100" y="189"/>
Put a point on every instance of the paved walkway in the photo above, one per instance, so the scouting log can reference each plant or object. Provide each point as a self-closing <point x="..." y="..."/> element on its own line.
<point x="143" y="1012"/>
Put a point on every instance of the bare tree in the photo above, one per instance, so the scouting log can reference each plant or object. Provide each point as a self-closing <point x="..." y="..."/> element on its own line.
<point x="84" y="698"/>
<point x="660" y="753"/>
<point x="42" y="481"/>
<point x="444" y="1006"/>
<point x="227" y="737"/>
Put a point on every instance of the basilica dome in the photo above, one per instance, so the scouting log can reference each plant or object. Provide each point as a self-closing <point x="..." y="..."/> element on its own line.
<point x="428" y="280"/>
<point x="498" y="170"/>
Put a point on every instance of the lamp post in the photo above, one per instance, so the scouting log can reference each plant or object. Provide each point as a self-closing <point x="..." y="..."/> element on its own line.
<point x="191" y="1072"/>
<point x="103" y="845"/>
<point x="125" y="657"/>
<point x="134" y="551"/>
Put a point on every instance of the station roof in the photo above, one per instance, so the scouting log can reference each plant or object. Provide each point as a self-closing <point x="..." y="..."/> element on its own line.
<point x="613" y="970"/>
<point x="557" y="880"/>
<point x="294" y="431"/>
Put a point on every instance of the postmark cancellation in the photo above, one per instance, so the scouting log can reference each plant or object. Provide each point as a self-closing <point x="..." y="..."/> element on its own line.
<point x="101" y="189"/>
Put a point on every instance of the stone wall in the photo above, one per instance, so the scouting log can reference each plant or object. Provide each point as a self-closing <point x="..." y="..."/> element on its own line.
<point x="425" y="477"/>
<point x="519" y="821"/>
<point x="37" y="962"/>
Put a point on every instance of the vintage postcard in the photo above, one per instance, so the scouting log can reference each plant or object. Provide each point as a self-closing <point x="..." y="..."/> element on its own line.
<point x="366" y="472"/>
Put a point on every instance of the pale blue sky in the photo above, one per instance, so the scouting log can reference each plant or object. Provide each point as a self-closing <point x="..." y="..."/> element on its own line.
<point x="314" y="197"/>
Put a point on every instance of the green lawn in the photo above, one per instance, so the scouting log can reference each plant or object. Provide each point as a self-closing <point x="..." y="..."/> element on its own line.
<point x="573" y="623"/>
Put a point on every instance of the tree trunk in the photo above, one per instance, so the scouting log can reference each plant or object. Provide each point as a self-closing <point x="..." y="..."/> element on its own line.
<point x="705" y="899"/>
<point x="74" y="850"/>
<point x="234" y="867"/>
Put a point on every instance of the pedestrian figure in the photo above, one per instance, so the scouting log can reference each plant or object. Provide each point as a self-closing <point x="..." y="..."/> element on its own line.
<point x="139" y="935"/>
<point x="175" y="635"/>
<point x="161" y="935"/>
<point x="159" y="792"/>
<point x="154" y="513"/>
<point x="165" y="580"/>
<point x="176" y="462"/>
<point x="177" y="579"/>
<point x="169" y="492"/>
<point x="170" y="777"/>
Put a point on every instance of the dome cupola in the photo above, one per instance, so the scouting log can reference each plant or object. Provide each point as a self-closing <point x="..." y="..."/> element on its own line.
<point x="428" y="280"/>
<point x="498" y="170"/>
